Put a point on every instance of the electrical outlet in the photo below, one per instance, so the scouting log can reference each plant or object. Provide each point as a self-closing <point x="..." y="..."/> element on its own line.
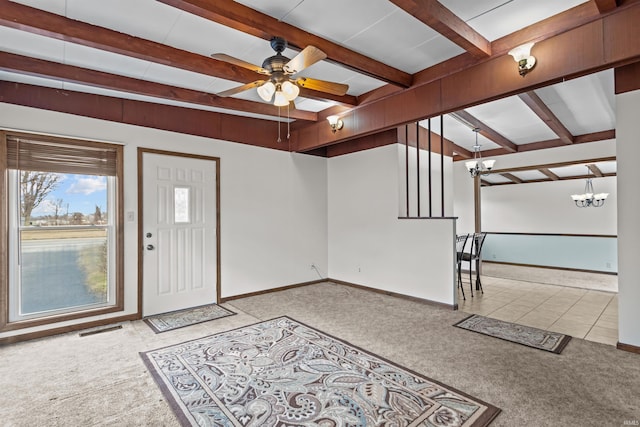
<point x="359" y="270"/>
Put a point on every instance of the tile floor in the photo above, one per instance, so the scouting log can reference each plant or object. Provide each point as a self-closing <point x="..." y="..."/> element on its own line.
<point x="581" y="313"/>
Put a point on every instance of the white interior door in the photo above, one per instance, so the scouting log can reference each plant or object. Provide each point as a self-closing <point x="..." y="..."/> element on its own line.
<point x="179" y="233"/>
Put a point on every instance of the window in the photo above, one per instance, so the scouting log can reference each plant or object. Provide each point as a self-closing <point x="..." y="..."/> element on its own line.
<point x="64" y="218"/>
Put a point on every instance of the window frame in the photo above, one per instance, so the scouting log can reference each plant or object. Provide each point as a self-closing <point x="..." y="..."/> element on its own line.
<point x="118" y="235"/>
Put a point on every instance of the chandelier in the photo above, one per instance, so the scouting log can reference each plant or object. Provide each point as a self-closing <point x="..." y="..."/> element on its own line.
<point x="589" y="197"/>
<point x="477" y="166"/>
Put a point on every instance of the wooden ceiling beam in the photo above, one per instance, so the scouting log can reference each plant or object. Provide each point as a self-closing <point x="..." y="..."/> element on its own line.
<point x="542" y="30"/>
<point x="605" y="6"/>
<point x="242" y="18"/>
<point x="68" y="73"/>
<point x="445" y="22"/>
<point x="579" y="139"/>
<point x="208" y="124"/>
<point x="512" y="177"/>
<point x="595" y="170"/>
<point x="487" y="131"/>
<point x="36" y="21"/>
<point x="552" y="176"/>
<point x="605" y="42"/>
<point x="537" y="105"/>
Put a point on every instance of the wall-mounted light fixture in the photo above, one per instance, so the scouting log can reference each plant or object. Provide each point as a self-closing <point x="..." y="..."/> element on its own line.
<point x="522" y="55"/>
<point x="335" y="122"/>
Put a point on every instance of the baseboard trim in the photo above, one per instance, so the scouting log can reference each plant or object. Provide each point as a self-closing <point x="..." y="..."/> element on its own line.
<point x="610" y="273"/>
<point x="395" y="294"/>
<point x="268" y="291"/>
<point x="628" y="347"/>
<point x="64" y="329"/>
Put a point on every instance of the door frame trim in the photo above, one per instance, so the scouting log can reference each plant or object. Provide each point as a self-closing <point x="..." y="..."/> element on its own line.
<point x="141" y="152"/>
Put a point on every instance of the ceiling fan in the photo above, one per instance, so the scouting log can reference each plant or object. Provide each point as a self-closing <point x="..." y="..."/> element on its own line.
<point x="281" y="85"/>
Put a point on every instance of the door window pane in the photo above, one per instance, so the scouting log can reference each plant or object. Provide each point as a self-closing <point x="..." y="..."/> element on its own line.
<point x="181" y="204"/>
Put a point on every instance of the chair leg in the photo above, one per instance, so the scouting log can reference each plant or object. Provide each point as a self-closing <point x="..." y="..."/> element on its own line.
<point x="460" y="282"/>
<point x="471" y="278"/>
<point x="478" y="282"/>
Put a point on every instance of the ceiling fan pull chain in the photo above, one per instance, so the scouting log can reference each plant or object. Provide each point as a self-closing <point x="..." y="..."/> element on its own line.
<point x="288" y="123"/>
<point x="279" y="140"/>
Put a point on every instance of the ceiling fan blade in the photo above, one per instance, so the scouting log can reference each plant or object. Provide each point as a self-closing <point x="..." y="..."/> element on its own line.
<point x="323" y="86"/>
<point x="239" y="62"/>
<point x="306" y="58"/>
<point x="242" y="88"/>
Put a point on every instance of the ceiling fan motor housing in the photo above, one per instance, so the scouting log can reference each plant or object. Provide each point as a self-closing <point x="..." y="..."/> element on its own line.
<point x="275" y="64"/>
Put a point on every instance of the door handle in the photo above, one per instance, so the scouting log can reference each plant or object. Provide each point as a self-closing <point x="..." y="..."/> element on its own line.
<point x="150" y="247"/>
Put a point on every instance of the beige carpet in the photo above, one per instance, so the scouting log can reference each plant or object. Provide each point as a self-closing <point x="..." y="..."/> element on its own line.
<point x="101" y="380"/>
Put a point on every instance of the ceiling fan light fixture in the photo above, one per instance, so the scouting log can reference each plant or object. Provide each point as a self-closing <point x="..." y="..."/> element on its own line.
<point x="290" y="90"/>
<point x="266" y="91"/>
<point x="280" y="99"/>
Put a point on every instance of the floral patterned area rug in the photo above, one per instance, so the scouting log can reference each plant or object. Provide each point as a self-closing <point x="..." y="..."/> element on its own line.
<point x="554" y="342"/>
<point x="281" y="372"/>
<point x="179" y="319"/>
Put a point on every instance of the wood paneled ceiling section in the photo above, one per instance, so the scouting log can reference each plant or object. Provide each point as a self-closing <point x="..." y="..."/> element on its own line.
<point x="389" y="101"/>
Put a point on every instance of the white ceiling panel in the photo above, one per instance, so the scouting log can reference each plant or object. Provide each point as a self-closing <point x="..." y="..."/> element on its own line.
<point x="335" y="20"/>
<point x="572" y="170"/>
<point x="459" y="133"/>
<point x="408" y="36"/>
<point x="54" y="6"/>
<point x="529" y="175"/>
<point x="198" y="35"/>
<point x="96" y="59"/>
<point x="583" y="105"/>
<point x="425" y="55"/>
<point x="516" y="14"/>
<point x="607" y="167"/>
<point x="275" y="8"/>
<point x="28" y="44"/>
<point x="514" y="120"/>
<point x="148" y="19"/>
<point x="178" y="77"/>
<point x="467" y="10"/>
<point x="312" y="104"/>
<point x="495" y="178"/>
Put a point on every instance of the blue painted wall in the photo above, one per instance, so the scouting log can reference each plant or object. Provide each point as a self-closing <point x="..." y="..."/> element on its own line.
<point x="575" y="252"/>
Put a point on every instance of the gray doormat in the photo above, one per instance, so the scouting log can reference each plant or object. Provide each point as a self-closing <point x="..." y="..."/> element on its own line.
<point x="179" y="319"/>
<point x="281" y="372"/>
<point x="526" y="335"/>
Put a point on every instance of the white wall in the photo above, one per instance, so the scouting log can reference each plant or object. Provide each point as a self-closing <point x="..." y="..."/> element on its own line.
<point x="544" y="207"/>
<point x="263" y="244"/>
<point x="627" y="107"/>
<point x="370" y="246"/>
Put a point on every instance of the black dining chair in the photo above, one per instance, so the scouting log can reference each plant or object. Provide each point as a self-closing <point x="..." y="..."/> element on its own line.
<point x="474" y="255"/>
<point x="461" y="242"/>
